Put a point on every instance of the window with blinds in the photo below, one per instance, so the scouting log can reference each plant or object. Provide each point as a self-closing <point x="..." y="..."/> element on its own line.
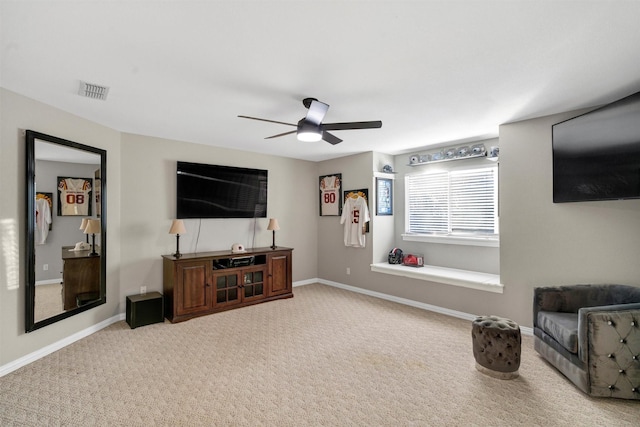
<point x="457" y="202"/>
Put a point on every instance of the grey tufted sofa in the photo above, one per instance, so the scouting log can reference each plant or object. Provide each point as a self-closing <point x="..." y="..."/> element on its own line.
<point x="591" y="333"/>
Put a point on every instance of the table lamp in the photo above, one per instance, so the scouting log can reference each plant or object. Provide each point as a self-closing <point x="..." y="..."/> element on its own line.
<point x="273" y="226"/>
<point x="177" y="228"/>
<point x="93" y="228"/>
<point x="83" y="225"/>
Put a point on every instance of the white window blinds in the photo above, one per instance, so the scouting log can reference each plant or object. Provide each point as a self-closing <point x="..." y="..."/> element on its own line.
<point x="453" y="202"/>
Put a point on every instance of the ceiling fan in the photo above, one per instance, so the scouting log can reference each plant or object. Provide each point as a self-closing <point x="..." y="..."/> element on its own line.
<point x="311" y="128"/>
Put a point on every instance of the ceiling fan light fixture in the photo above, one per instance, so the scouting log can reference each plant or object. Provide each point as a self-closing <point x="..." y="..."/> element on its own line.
<point x="308" y="132"/>
<point x="309" y="136"/>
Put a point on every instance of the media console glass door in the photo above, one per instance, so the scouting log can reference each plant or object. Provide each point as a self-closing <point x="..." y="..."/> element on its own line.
<point x="65" y="268"/>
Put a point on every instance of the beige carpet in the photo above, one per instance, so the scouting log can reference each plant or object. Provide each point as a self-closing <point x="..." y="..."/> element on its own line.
<point x="327" y="357"/>
<point x="48" y="301"/>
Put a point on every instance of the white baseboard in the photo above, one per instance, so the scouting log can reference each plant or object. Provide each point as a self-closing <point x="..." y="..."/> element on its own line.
<point x="49" y="282"/>
<point x="32" y="357"/>
<point x="305" y="282"/>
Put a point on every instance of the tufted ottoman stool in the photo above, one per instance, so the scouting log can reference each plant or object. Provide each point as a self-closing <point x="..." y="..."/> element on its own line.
<point x="496" y="346"/>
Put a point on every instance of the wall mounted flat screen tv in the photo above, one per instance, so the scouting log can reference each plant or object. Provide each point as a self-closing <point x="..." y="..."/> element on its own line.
<point x="213" y="191"/>
<point x="596" y="156"/>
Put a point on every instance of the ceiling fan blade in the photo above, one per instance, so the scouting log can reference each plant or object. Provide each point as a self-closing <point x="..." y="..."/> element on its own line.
<point x="352" y="125"/>
<point x="266" y="120"/>
<point x="281" y="134"/>
<point x="316" y="113"/>
<point x="331" y="139"/>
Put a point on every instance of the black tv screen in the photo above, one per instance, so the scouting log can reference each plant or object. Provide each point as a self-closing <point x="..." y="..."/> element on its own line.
<point x="596" y="156"/>
<point x="213" y="191"/>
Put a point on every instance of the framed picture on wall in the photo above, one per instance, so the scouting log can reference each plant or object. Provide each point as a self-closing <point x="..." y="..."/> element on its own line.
<point x="74" y="196"/>
<point x="384" y="196"/>
<point x="330" y="200"/>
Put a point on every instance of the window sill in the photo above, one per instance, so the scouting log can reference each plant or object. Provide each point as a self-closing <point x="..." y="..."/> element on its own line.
<point x="493" y="242"/>
<point x="449" y="276"/>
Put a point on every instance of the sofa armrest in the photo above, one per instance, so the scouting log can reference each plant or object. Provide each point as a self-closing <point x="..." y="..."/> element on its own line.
<point x="569" y="299"/>
<point x="609" y="344"/>
<point x="555" y="299"/>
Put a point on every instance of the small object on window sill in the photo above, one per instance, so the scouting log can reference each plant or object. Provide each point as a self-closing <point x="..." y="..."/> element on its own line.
<point x="413" y="260"/>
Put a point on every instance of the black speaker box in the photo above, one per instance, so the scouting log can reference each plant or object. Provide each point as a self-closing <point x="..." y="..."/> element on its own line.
<point x="145" y="309"/>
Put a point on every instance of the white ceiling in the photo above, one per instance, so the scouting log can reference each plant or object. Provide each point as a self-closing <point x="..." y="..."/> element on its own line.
<point x="434" y="72"/>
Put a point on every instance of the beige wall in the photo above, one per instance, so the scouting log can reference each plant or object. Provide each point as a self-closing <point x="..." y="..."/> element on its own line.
<point x="141" y="204"/>
<point x="541" y="243"/>
<point x="334" y="258"/>
<point x="148" y="206"/>
<point x="545" y="244"/>
<point x="18" y="114"/>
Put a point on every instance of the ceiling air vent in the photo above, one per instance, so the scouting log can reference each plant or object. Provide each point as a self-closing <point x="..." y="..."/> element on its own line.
<point x="93" y="91"/>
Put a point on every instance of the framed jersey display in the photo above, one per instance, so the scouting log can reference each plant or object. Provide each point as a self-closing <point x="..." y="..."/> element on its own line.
<point x="74" y="196"/>
<point x="330" y="200"/>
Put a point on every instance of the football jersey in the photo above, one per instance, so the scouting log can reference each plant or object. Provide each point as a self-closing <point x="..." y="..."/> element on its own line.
<point x="355" y="215"/>
<point x="43" y="219"/>
<point x="330" y="197"/>
<point x="75" y="196"/>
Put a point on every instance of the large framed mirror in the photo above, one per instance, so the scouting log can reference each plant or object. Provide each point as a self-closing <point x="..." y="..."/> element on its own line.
<point x="66" y="234"/>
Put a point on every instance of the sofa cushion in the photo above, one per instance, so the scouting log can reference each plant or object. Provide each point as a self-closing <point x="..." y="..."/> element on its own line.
<point x="563" y="327"/>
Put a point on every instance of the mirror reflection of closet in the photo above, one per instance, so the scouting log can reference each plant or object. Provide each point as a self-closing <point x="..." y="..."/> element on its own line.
<point x="66" y="258"/>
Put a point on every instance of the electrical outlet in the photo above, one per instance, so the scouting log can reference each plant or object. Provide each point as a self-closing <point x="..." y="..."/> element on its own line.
<point x="348" y="271"/>
<point x="45" y="267"/>
<point x="143" y="290"/>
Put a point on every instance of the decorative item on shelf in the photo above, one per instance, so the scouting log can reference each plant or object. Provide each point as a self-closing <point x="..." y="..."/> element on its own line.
<point x="478" y="150"/>
<point x="439" y="155"/>
<point x="450" y="153"/>
<point x="395" y="256"/>
<point x="273" y="226"/>
<point x="413" y="260"/>
<point x="83" y="225"/>
<point x="387" y="169"/>
<point x="93" y="228"/>
<point x="177" y="228"/>
<point x="463" y="151"/>
<point x="494" y="152"/>
<point x="238" y="248"/>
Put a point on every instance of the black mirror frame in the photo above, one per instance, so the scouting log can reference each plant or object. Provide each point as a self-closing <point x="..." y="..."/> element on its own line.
<point x="30" y="276"/>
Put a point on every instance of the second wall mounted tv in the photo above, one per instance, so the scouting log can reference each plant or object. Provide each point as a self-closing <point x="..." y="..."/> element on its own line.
<point x="213" y="191"/>
<point x="596" y="156"/>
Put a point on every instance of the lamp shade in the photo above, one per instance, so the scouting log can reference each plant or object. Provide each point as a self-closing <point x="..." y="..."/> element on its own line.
<point x="273" y="224"/>
<point x="93" y="226"/>
<point x="83" y="224"/>
<point x="177" y="227"/>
